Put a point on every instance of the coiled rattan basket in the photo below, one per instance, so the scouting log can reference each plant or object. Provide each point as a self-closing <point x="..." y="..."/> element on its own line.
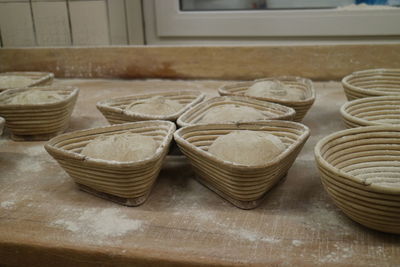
<point x="369" y="111"/>
<point x="242" y="185"/>
<point x="114" y="109"/>
<point x="360" y="170"/>
<point x="127" y="183"/>
<point x="301" y="107"/>
<point x="38" y="121"/>
<point x="271" y="111"/>
<point x="38" y="78"/>
<point x="374" y="82"/>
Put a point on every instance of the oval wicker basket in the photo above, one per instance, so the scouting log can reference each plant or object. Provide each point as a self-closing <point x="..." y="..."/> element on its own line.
<point x="274" y="111"/>
<point x="38" y="78"/>
<point x="127" y="183"/>
<point x="360" y="170"/>
<point x="242" y="185"/>
<point x="38" y="121"/>
<point x="301" y="107"/>
<point x="374" y="82"/>
<point x="369" y="111"/>
<point x="114" y="109"/>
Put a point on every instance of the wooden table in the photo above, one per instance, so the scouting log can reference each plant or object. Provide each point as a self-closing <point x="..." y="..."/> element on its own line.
<point x="46" y="221"/>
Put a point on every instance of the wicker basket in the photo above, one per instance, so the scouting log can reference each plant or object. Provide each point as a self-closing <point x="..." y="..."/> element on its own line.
<point x="127" y="183"/>
<point x="301" y="107"/>
<point x="352" y="163"/>
<point x="114" y="109"/>
<point x="375" y="82"/>
<point x="2" y="122"/>
<point x="38" y="121"/>
<point x="242" y="185"/>
<point x="370" y="111"/>
<point x="193" y="115"/>
<point x="39" y="78"/>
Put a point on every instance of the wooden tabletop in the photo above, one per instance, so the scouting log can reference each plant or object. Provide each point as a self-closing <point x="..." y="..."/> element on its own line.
<point x="45" y="220"/>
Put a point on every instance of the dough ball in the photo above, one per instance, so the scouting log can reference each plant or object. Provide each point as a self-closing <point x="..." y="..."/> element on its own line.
<point x="122" y="147"/>
<point x="247" y="147"/>
<point x="157" y="105"/>
<point x="232" y="113"/>
<point x="14" y="81"/>
<point x="275" y="89"/>
<point x="34" y="97"/>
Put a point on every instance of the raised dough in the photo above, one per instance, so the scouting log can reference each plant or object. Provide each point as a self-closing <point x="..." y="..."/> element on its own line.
<point x="247" y="147"/>
<point x="34" y="97"/>
<point x="157" y="105"/>
<point x="121" y="147"/>
<point x="274" y="89"/>
<point x="14" y="81"/>
<point x="232" y="113"/>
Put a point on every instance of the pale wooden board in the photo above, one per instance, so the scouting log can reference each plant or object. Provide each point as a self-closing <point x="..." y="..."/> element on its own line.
<point x="230" y="62"/>
<point x="117" y="22"/>
<point x="46" y="221"/>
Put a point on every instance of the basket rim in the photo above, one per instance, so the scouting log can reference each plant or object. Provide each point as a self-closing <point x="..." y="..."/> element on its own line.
<point x="50" y="145"/>
<point x="306" y="81"/>
<point x="73" y="93"/>
<point x="239" y="99"/>
<point x="369" y="72"/>
<point x="363" y="122"/>
<point x="338" y="172"/>
<point x="105" y="104"/>
<point x="43" y="76"/>
<point x="236" y="126"/>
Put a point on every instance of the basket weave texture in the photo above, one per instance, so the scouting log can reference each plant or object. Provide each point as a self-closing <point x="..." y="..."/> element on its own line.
<point x="130" y="180"/>
<point x="194" y="115"/>
<point x="374" y="82"/>
<point x="360" y="170"/>
<point x="240" y="183"/>
<point x="301" y="106"/>
<point x="114" y="109"/>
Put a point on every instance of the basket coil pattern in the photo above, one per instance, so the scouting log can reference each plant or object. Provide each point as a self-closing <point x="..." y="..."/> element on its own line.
<point x="114" y="109"/>
<point x="39" y="78"/>
<point x="301" y="107"/>
<point x="242" y="185"/>
<point x="360" y="170"/>
<point x="374" y="82"/>
<point x="39" y="119"/>
<point x="128" y="180"/>
<point x="380" y="110"/>
<point x="195" y="114"/>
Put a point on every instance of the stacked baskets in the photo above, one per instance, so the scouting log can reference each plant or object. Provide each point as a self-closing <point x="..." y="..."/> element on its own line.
<point x="38" y="78"/>
<point x="360" y="167"/>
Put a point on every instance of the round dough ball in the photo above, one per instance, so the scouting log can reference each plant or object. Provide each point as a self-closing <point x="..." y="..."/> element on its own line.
<point x="14" y="81"/>
<point x="231" y="113"/>
<point x="274" y="89"/>
<point x="122" y="147"/>
<point x="34" y="97"/>
<point x="247" y="147"/>
<point x="157" y="105"/>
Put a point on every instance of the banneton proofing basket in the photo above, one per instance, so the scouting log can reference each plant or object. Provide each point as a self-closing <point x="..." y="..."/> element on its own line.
<point x="39" y="78"/>
<point x="114" y="109"/>
<point x="196" y="113"/>
<point x="374" y="82"/>
<point x="301" y="107"/>
<point x="369" y="111"/>
<point x="127" y="183"/>
<point x="360" y="170"/>
<point x="35" y="122"/>
<point x="242" y="185"/>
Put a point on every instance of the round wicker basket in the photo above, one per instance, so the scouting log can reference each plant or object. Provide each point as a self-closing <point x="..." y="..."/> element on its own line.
<point x="374" y="82"/>
<point x="360" y="170"/>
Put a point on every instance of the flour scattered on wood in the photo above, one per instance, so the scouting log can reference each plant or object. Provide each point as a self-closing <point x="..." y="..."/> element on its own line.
<point x="100" y="223"/>
<point x="7" y="205"/>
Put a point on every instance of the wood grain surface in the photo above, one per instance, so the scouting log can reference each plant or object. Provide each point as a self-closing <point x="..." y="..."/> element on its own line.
<point x="46" y="221"/>
<point x="327" y="62"/>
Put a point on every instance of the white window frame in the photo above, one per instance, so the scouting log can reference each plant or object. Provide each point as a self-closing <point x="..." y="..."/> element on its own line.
<point x="172" y="22"/>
